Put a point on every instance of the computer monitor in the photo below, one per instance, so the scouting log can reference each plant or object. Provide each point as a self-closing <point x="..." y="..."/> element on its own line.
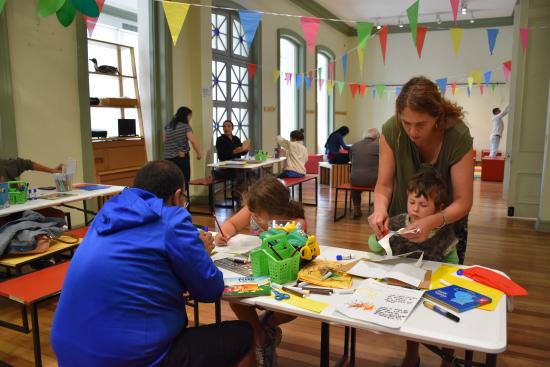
<point x="126" y="127"/>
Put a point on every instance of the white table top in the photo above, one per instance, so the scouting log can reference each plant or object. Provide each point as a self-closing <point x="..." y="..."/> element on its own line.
<point x="267" y="162"/>
<point x="76" y="195"/>
<point x="478" y="330"/>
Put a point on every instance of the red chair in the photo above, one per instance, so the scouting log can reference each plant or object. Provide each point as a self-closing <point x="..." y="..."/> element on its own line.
<point x="312" y="164"/>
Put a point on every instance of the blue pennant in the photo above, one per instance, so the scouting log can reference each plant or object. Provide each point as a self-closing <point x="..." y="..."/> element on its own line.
<point x="249" y="20"/>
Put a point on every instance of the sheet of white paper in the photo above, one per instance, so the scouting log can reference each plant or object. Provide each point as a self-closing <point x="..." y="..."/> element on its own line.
<point x="407" y="273"/>
<point x="240" y="244"/>
<point x="381" y="304"/>
<point x="385" y="243"/>
<point x="368" y="269"/>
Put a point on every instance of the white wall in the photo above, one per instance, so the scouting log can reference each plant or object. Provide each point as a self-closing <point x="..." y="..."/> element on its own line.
<point x="437" y="61"/>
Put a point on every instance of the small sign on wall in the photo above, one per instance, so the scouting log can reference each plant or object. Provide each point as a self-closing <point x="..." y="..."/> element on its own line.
<point x="269" y="108"/>
<point x="207" y="92"/>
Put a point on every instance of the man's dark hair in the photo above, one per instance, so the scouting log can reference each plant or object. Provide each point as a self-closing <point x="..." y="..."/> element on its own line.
<point x="161" y="178"/>
<point x="496" y="111"/>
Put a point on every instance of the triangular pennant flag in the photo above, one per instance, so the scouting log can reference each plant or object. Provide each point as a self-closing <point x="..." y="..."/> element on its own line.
<point x="453" y="88"/>
<point x="454" y="6"/>
<point x="383" y="37"/>
<point x="321" y="83"/>
<point x="330" y="87"/>
<point x="373" y="92"/>
<point x="481" y="89"/>
<point x="487" y="77"/>
<point x="310" y="27"/>
<point x="276" y="75"/>
<point x="86" y="7"/>
<point x="469" y="91"/>
<point x="345" y="64"/>
<point x="288" y="78"/>
<point x="493" y="86"/>
<point x="331" y="70"/>
<point x="2" y="3"/>
<point x="251" y="71"/>
<point x="44" y="8"/>
<point x="420" y="36"/>
<point x="388" y="94"/>
<point x="442" y="84"/>
<point x="492" y="34"/>
<point x="298" y="81"/>
<point x="175" y="16"/>
<point x="364" y="30"/>
<point x="507" y="68"/>
<point x="340" y="86"/>
<point x="66" y="14"/>
<point x="380" y="89"/>
<point x="524" y="35"/>
<point x="91" y="22"/>
<point x="249" y="20"/>
<point x="354" y="88"/>
<point x="397" y="91"/>
<point x="362" y="89"/>
<point x="477" y="75"/>
<point x="412" y="14"/>
<point x="311" y="75"/>
<point x="456" y="37"/>
<point x="308" y="82"/>
<point x="470" y="82"/>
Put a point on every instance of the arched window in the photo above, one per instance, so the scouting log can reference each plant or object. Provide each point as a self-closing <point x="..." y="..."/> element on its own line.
<point x="325" y="102"/>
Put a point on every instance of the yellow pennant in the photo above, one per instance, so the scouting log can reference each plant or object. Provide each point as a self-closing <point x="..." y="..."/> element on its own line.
<point x="477" y="75"/>
<point x="470" y="82"/>
<point x="456" y="36"/>
<point x="175" y="17"/>
<point x="361" y="56"/>
<point x="330" y="86"/>
<point x="276" y="75"/>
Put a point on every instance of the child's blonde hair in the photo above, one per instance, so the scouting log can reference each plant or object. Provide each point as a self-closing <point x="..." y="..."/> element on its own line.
<point x="269" y="195"/>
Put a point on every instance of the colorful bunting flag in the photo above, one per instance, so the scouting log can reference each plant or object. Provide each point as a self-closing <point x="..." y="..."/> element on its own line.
<point x="373" y="92"/>
<point x="276" y="74"/>
<point x="345" y="64"/>
<point x="492" y="34"/>
<point x="331" y="70"/>
<point x="45" y="8"/>
<point x="298" y="81"/>
<point x="362" y="89"/>
<point x="86" y="7"/>
<point x="456" y="37"/>
<point x="388" y="94"/>
<point x="481" y="89"/>
<point x="249" y="20"/>
<point x="380" y="89"/>
<point x="330" y="87"/>
<point x="340" y="86"/>
<point x="397" y="91"/>
<point x="175" y="17"/>
<point x="420" y="36"/>
<point x="2" y="3"/>
<point x="453" y="88"/>
<point x="311" y="75"/>
<point x="354" y="88"/>
<point x="442" y="84"/>
<point x="493" y="86"/>
<point x="251" y="71"/>
<point x="308" y="82"/>
<point x="470" y="82"/>
<point x="487" y="77"/>
<point x="507" y="68"/>
<point x="310" y="27"/>
<point x="477" y="76"/>
<point x="321" y="83"/>
<point x="524" y="35"/>
<point x="383" y="36"/>
<point x="288" y="78"/>
<point x="91" y="22"/>
<point x="66" y="14"/>
<point x="469" y="91"/>
<point x="412" y="14"/>
<point x="454" y="6"/>
<point x="364" y="30"/>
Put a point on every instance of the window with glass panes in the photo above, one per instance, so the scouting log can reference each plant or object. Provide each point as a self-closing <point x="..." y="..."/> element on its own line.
<point x="325" y="102"/>
<point x="230" y="84"/>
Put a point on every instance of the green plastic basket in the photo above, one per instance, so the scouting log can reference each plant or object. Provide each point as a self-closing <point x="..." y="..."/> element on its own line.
<point x="265" y="262"/>
<point x="17" y="192"/>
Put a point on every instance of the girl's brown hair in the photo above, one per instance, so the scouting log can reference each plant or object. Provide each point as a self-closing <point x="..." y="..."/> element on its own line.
<point x="269" y="195"/>
<point x="420" y="94"/>
<point x="297" y="135"/>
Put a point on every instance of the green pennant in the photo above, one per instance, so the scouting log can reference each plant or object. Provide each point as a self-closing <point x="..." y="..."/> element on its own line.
<point x="364" y="30"/>
<point x="493" y="86"/>
<point x="412" y="14"/>
<point x="2" y="3"/>
<point x="380" y="89"/>
<point x="340" y="86"/>
<point x="45" y="8"/>
<point x="86" y="7"/>
<point x="66" y="14"/>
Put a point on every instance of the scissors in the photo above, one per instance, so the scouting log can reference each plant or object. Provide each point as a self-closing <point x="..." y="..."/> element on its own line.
<point x="279" y="296"/>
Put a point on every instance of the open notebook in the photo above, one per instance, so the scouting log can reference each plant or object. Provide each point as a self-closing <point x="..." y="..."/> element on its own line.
<point x="402" y="274"/>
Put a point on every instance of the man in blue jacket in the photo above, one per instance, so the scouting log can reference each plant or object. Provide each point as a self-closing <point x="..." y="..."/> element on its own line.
<point x="122" y="302"/>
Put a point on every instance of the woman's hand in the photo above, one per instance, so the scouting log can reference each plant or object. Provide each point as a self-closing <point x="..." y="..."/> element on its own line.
<point x="379" y="221"/>
<point x="424" y="227"/>
<point x="198" y="156"/>
<point x="221" y="240"/>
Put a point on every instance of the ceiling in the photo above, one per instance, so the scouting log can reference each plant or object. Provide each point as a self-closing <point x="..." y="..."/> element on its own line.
<point x="388" y="11"/>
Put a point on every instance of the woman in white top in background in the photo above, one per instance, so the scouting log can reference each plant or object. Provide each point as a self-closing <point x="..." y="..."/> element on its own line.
<point x="296" y="154"/>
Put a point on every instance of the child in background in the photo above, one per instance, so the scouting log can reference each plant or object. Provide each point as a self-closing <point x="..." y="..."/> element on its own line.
<point x="266" y="200"/>
<point x="296" y="154"/>
<point x="427" y="195"/>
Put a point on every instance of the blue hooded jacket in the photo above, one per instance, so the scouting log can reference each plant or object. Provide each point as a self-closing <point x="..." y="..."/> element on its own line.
<point x="121" y="303"/>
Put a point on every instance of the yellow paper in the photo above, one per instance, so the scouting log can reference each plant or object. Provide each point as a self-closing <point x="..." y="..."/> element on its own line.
<point x="446" y="272"/>
<point x="314" y="271"/>
<point x="175" y="16"/>
<point x="305" y="303"/>
<point x="456" y="37"/>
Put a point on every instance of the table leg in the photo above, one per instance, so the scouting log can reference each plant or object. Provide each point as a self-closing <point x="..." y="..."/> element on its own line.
<point x="218" y="311"/>
<point x="84" y="205"/>
<point x="299" y="193"/>
<point x="325" y="344"/>
<point x="468" y="358"/>
<point x="36" y="336"/>
<point x="491" y="360"/>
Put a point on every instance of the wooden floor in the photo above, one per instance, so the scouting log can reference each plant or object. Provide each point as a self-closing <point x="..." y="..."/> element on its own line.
<point x="494" y="241"/>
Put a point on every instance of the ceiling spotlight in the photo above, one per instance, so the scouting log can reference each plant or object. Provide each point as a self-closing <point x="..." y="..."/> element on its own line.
<point x="464" y="8"/>
<point x="378" y="26"/>
<point x="472" y="19"/>
<point x="399" y="24"/>
<point x="438" y="18"/>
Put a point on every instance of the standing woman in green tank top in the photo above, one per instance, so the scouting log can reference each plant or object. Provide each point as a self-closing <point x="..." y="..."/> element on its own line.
<point x="427" y="129"/>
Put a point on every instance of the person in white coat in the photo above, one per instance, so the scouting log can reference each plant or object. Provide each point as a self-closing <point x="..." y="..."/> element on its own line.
<point x="498" y="128"/>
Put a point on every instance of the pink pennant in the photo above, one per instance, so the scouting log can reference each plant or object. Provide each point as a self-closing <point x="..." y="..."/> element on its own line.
<point x="382" y="36"/>
<point x="507" y="68"/>
<point x="288" y="78"/>
<point x="362" y="89"/>
<point x="310" y="27"/>
<point x="420" y="36"/>
<point x="331" y="70"/>
<point x="91" y="22"/>
<point x="321" y="81"/>
<point x="251" y="71"/>
<point x="481" y="89"/>
<point x="453" y="87"/>
<point x="311" y="75"/>
<point x="353" y="88"/>
<point x="524" y="34"/>
<point x="454" y="5"/>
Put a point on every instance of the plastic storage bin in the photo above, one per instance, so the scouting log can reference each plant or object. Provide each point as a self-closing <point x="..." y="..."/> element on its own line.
<point x="17" y="191"/>
<point x="265" y="262"/>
